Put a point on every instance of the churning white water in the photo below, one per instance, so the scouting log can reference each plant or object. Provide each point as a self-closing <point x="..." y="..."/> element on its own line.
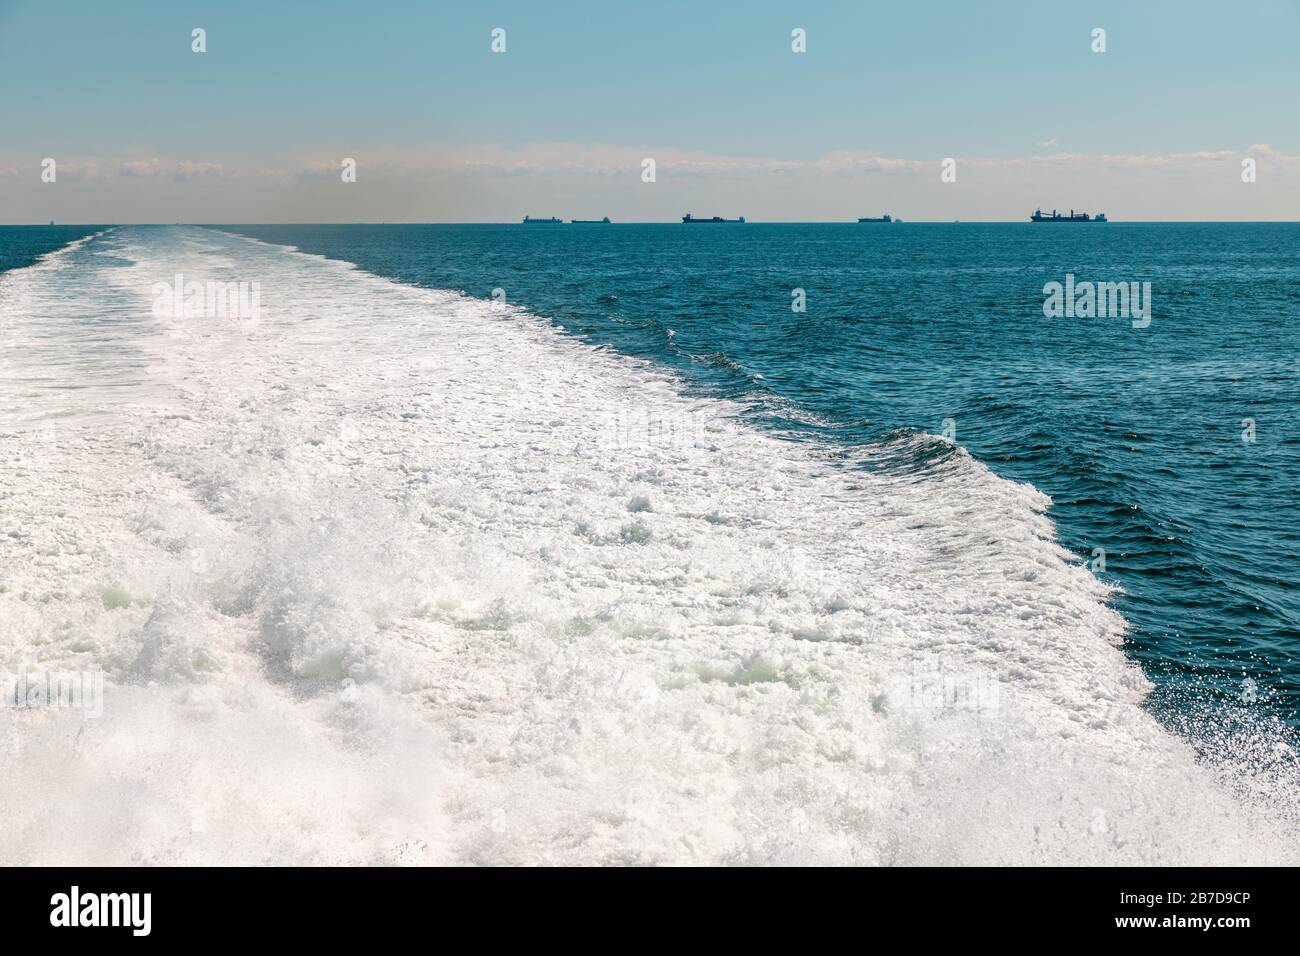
<point x="386" y="576"/>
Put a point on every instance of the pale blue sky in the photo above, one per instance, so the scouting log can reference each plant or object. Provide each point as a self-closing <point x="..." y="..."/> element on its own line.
<point x="287" y="85"/>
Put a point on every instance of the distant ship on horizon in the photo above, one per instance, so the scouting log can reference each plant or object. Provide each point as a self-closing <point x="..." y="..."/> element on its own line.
<point x="691" y="219"/>
<point x="1072" y="217"/>
<point x="884" y="218"/>
<point x="590" y="222"/>
<point x="529" y="221"/>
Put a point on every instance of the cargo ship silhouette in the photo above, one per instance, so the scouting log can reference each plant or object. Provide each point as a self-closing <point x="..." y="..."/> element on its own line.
<point x="884" y="218"/>
<point x="590" y="222"/>
<point x="1072" y="217"/>
<point x="691" y="219"/>
<point x="530" y="221"/>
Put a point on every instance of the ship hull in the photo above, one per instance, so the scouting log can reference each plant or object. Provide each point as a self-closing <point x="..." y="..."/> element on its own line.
<point x="1056" y="217"/>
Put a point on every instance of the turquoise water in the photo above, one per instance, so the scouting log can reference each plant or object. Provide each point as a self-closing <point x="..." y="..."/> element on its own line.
<point x="1136" y="433"/>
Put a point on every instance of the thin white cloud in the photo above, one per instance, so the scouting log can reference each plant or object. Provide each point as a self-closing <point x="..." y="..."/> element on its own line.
<point x="140" y="167"/>
<point x="181" y="171"/>
<point x="577" y="159"/>
<point x="564" y="159"/>
<point x="1133" y="160"/>
<point x="321" y="169"/>
<point x="184" y="171"/>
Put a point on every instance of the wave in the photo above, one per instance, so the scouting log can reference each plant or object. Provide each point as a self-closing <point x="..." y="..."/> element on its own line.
<point x="56" y="255"/>
<point x="384" y="578"/>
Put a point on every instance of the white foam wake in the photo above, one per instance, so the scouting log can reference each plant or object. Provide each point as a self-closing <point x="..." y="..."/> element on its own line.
<point x="390" y="577"/>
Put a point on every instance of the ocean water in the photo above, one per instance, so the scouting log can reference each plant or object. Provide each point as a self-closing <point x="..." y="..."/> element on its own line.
<point x="388" y="573"/>
<point x="1136" y="434"/>
<point x="20" y="246"/>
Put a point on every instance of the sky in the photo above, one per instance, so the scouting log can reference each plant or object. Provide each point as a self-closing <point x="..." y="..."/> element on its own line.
<point x="442" y="129"/>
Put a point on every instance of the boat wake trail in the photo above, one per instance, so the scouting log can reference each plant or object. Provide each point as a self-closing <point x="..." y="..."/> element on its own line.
<point x="387" y="576"/>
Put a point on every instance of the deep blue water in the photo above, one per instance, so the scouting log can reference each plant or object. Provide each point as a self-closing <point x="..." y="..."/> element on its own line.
<point x="20" y="246"/>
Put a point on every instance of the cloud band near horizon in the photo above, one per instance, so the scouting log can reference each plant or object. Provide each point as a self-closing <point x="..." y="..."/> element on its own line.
<point x="488" y="182"/>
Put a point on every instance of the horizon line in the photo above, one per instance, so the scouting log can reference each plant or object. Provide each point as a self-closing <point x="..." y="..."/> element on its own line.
<point x="643" y="222"/>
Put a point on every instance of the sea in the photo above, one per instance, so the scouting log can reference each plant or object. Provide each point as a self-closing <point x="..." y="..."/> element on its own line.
<point x="656" y="543"/>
